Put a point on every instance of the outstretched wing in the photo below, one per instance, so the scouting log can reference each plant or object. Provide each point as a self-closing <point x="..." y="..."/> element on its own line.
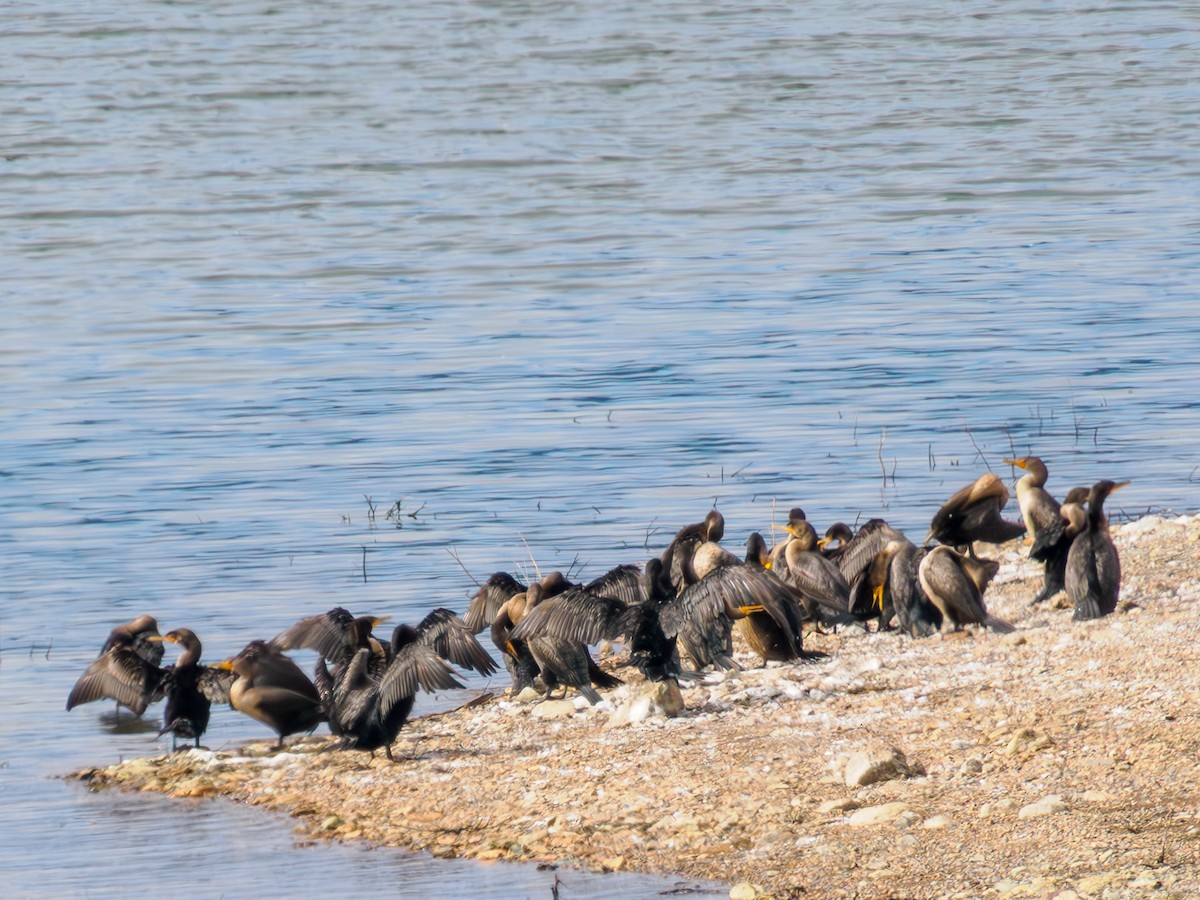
<point x="449" y="637"/>
<point x="486" y="603"/>
<point x="622" y="583"/>
<point x="119" y="675"/>
<point x="326" y="634"/>
<point x="577" y="614"/>
<point x="416" y="666"/>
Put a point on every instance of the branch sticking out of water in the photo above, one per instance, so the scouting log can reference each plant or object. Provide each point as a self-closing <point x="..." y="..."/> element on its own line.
<point x="454" y="553"/>
<point x="978" y="452"/>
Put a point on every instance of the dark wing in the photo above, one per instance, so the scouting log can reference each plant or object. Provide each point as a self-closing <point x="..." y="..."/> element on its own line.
<point x="215" y="683"/>
<point x="1045" y="542"/>
<point x="973" y="514"/>
<point x="819" y="579"/>
<point x="450" y="638"/>
<point x="860" y="550"/>
<point x="415" y="666"/>
<point x="119" y="675"/>
<point x="574" y="615"/>
<point x="486" y="603"/>
<point x="326" y="634"/>
<point x="944" y="576"/>
<point x="622" y="583"/>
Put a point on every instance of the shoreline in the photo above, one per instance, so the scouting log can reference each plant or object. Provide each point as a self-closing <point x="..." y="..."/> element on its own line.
<point x="1058" y="760"/>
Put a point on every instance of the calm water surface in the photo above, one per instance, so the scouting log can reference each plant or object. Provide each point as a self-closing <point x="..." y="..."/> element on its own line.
<point x="556" y="274"/>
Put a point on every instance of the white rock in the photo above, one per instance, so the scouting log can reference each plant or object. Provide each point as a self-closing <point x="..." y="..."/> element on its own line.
<point x="651" y="699"/>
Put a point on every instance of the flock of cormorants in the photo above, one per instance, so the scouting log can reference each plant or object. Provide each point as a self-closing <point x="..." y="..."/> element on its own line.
<point x="675" y="616"/>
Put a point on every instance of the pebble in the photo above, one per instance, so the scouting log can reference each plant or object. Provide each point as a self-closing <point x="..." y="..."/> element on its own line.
<point x="872" y="766"/>
<point x="876" y="815"/>
<point x="744" y="890"/>
<point x="1044" y="807"/>
<point x="554" y="709"/>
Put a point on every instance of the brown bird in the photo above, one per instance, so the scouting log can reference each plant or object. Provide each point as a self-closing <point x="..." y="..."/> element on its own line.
<point x="973" y="514"/>
<point x="1038" y="509"/>
<point x="126" y="670"/>
<point x="486" y="603"/>
<point x="805" y="568"/>
<point x="271" y="688"/>
<point x="955" y="583"/>
<point x="1093" y="578"/>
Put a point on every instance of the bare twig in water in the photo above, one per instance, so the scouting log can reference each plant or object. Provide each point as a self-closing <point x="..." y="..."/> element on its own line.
<point x="741" y="470"/>
<point x="651" y="530"/>
<point x="978" y="451"/>
<point x="454" y="553"/>
<point x="364" y="563"/>
<point x="529" y="550"/>
<point x="554" y="887"/>
<point x="932" y="458"/>
<point x="370" y="508"/>
<point x="1074" y="414"/>
<point x="879" y="453"/>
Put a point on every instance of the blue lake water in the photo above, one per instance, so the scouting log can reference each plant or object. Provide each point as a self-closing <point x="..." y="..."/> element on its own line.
<point x="554" y="278"/>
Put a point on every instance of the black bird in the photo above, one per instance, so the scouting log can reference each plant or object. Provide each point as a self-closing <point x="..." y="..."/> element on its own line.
<point x="1052" y="545"/>
<point x="190" y="688"/>
<point x="271" y="688"/>
<point x="1093" y="577"/>
<point x="654" y="654"/>
<point x="838" y="533"/>
<point x="127" y="669"/>
<point x="973" y="514"/>
<point x="337" y="636"/>
<point x="677" y="558"/>
<point x="367" y="711"/>
<point x="702" y="616"/>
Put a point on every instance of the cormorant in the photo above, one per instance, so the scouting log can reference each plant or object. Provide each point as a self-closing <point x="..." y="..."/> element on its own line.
<point x="1093" y="577"/>
<point x="1038" y="509"/>
<point x="1053" y="543"/>
<point x="190" y="688"/>
<point x="563" y="662"/>
<point x="955" y="583"/>
<point x="366" y="711"/>
<point x="271" y="688"/>
<point x="127" y="669"/>
<point x="973" y="514"/>
<point x="677" y="558"/>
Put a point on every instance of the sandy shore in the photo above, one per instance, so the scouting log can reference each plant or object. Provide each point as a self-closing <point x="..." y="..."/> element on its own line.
<point x="1061" y="760"/>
